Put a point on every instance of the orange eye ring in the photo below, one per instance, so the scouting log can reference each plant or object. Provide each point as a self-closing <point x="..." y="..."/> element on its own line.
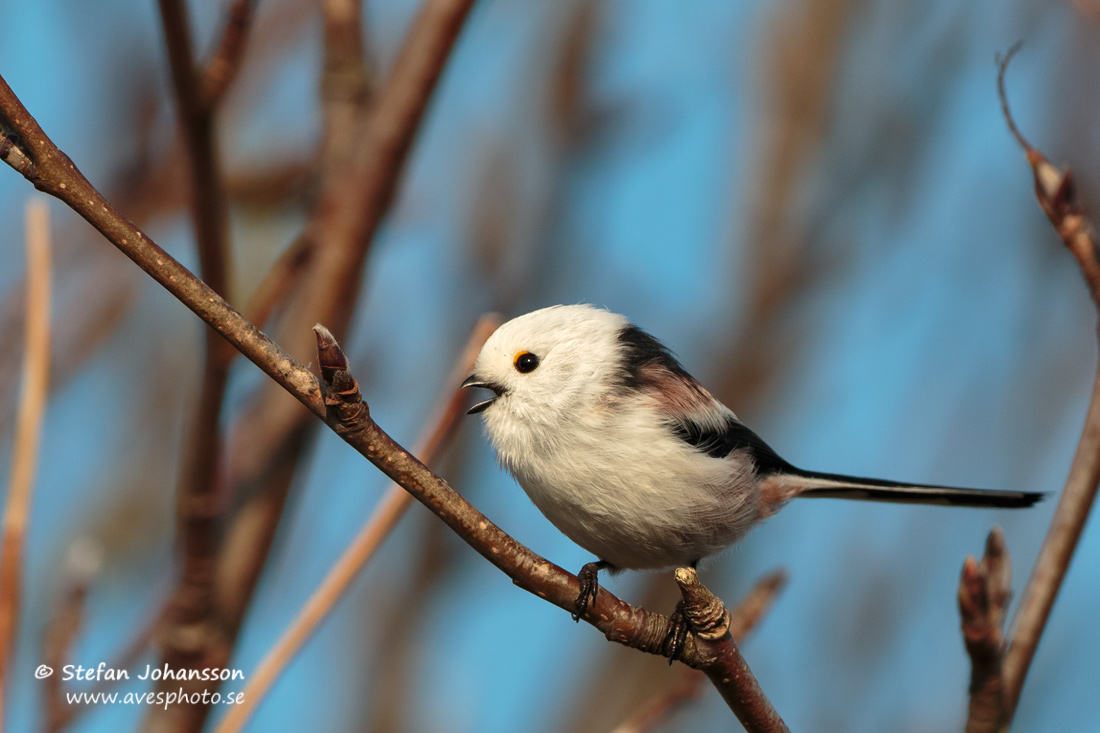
<point x="525" y="362"/>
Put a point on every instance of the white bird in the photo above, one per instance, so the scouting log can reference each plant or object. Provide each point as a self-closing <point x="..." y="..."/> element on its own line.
<point x="631" y="458"/>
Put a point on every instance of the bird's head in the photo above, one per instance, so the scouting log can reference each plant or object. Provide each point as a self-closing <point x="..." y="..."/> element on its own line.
<point x="545" y="366"/>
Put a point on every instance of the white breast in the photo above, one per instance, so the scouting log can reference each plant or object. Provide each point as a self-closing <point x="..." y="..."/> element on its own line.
<point x="621" y="485"/>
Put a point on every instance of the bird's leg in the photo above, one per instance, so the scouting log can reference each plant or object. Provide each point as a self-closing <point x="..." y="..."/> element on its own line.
<point x="678" y="628"/>
<point x="590" y="585"/>
<point x="676" y="636"/>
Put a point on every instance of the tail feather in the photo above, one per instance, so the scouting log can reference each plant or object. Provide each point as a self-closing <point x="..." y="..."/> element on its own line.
<point x="835" y="486"/>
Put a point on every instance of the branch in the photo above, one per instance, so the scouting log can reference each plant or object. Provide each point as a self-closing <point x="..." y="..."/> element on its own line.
<point x="360" y="552"/>
<point x="984" y="593"/>
<point x="225" y="61"/>
<point x="743" y="619"/>
<point x="709" y="647"/>
<point x="190" y="615"/>
<point x="28" y="431"/>
<point x="27" y="148"/>
<point x="1057" y="196"/>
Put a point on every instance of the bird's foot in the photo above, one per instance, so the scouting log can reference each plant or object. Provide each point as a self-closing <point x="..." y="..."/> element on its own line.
<point x="590" y="586"/>
<point x="676" y="637"/>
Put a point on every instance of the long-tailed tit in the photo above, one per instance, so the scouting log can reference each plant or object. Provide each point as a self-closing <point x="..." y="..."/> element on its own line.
<point x="632" y="458"/>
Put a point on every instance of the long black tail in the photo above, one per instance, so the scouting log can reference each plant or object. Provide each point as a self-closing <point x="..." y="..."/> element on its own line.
<point x="835" y="486"/>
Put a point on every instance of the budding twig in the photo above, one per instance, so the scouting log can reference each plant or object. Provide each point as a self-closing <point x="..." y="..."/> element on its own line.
<point x="1056" y="193"/>
<point x="984" y="592"/>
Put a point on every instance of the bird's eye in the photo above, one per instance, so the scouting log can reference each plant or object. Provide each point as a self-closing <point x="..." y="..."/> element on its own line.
<point x="526" y="362"/>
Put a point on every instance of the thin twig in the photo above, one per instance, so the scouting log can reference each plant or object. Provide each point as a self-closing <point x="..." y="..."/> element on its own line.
<point x="28" y="431"/>
<point x="686" y="688"/>
<point x="743" y="619"/>
<point x="750" y="611"/>
<point x="984" y="592"/>
<point x="362" y="549"/>
<point x="191" y="616"/>
<point x="225" y="61"/>
<point x="52" y="172"/>
<point x="735" y="682"/>
<point x="1057" y="196"/>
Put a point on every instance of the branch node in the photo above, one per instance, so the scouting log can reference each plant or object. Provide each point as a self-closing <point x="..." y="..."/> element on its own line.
<point x="704" y="611"/>
<point x="335" y="370"/>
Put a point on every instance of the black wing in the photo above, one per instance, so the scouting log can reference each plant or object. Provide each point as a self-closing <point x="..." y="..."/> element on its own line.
<point x="719" y="442"/>
<point x="649" y="366"/>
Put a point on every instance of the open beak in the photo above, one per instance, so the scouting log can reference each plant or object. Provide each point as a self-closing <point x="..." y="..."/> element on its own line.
<point x="474" y="381"/>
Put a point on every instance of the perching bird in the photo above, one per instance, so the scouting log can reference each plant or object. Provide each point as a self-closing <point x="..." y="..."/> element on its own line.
<point x="630" y="457"/>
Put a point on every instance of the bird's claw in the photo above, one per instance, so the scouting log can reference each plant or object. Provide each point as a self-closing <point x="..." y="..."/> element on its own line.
<point x="676" y="637"/>
<point x="590" y="586"/>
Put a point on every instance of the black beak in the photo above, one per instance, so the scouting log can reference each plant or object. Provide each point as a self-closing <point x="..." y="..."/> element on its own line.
<point x="474" y="381"/>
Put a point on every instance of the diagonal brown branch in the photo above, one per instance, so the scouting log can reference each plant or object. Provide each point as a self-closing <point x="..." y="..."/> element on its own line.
<point x="28" y="430"/>
<point x="1056" y="193"/>
<point x="743" y="619"/>
<point x="27" y="148"/>
<point x="362" y="549"/>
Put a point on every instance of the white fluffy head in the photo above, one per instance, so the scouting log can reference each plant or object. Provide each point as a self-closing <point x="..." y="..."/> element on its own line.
<point x="578" y="354"/>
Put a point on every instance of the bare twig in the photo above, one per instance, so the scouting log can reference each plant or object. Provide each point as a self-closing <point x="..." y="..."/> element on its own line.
<point x="390" y="510"/>
<point x="984" y="592"/>
<point x="743" y="619"/>
<point x="27" y="148"/>
<point x="225" y="61"/>
<point x="32" y="405"/>
<point x="731" y="676"/>
<point x="191" y="618"/>
<point x="1057" y="196"/>
<point x="197" y="120"/>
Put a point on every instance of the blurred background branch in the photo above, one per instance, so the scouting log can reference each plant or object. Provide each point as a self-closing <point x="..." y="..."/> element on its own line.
<point x="34" y="388"/>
